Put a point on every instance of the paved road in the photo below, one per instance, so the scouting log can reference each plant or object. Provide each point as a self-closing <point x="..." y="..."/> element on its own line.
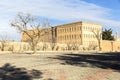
<point x="48" y="66"/>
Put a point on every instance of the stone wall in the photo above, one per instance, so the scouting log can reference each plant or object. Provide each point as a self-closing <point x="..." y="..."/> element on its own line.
<point x="24" y="46"/>
<point x="13" y="46"/>
<point x="110" y="46"/>
<point x="107" y="46"/>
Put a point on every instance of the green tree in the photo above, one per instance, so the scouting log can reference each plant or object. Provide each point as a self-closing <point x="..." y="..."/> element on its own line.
<point x="107" y="34"/>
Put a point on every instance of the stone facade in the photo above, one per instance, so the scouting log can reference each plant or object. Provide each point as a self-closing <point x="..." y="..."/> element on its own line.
<point x="69" y="33"/>
<point x="89" y="33"/>
<point x="78" y="33"/>
<point x="46" y="35"/>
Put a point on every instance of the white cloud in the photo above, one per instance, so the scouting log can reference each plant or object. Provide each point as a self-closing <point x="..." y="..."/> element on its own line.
<point x="66" y="10"/>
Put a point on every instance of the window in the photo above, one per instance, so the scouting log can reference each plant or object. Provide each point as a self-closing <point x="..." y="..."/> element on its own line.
<point x="70" y="29"/>
<point x="65" y="29"/>
<point x="80" y="28"/>
<point x="75" y="28"/>
<point x="72" y="36"/>
<point x="65" y="37"/>
<point x="60" y="30"/>
<point x="80" y="36"/>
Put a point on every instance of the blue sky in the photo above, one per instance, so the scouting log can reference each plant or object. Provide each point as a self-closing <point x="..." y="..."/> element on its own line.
<point x="114" y="5"/>
<point x="105" y="12"/>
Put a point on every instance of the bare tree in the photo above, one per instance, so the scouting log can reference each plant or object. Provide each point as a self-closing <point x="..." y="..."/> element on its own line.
<point x="69" y="46"/>
<point x="24" y="23"/>
<point x="98" y="35"/>
<point x="75" y="46"/>
<point x="3" y="41"/>
<point x="53" y="44"/>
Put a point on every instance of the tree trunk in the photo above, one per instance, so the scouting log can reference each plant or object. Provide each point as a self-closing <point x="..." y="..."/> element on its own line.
<point x="99" y="45"/>
<point x="53" y="46"/>
<point x="2" y="47"/>
<point x="33" y="48"/>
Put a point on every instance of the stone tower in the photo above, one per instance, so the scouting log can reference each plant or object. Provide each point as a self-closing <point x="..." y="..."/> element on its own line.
<point x="116" y="36"/>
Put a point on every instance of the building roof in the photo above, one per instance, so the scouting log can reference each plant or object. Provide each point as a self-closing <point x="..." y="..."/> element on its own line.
<point x="77" y="23"/>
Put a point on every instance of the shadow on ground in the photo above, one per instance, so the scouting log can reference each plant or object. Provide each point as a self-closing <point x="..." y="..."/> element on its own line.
<point x="100" y="60"/>
<point x="9" y="72"/>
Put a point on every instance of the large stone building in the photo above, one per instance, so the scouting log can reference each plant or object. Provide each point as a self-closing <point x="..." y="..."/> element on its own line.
<point x="82" y="33"/>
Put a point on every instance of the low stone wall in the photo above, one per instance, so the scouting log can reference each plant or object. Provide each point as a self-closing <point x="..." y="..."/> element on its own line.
<point x="107" y="46"/>
<point x="13" y="46"/>
<point x="42" y="46"/>
<point x="110" y="46"/>
<point x="24" y="46"/>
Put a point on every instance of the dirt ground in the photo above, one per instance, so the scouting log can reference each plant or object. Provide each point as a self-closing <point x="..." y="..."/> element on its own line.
<point x="59" y="66"/>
